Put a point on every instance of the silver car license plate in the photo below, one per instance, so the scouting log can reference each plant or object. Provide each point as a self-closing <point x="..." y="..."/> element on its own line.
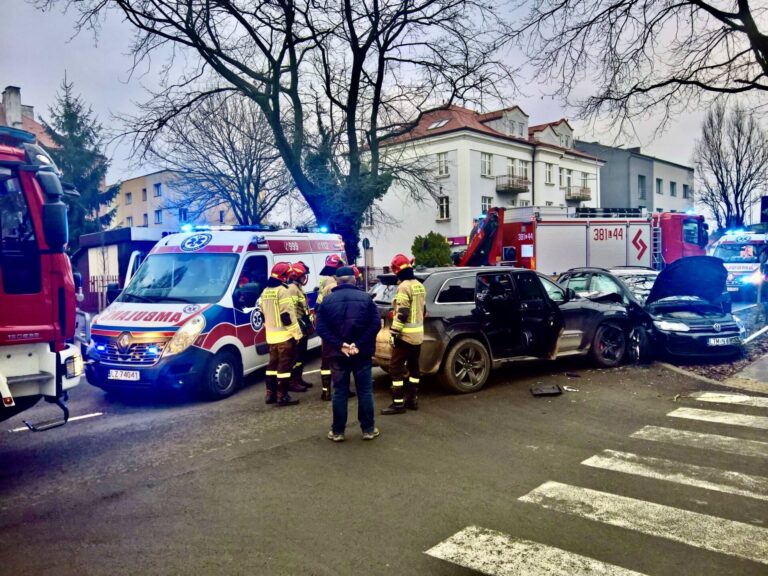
<point x="722" y="341"/>
<point x="132" y="375"/>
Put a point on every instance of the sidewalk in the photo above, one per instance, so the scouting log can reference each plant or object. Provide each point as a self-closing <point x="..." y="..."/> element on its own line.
<point x="754" y="377"/>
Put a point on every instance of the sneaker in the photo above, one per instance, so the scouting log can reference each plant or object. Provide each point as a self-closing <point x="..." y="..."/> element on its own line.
<point x="371" y="435"/>
<point x="335" y="437"/>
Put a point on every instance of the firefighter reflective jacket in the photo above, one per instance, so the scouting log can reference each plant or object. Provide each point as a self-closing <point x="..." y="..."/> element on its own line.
<point x="327" y="283"/>
<point x="408" y="320"/>
<point x="279" y="311"/>
<point x="301" y="304"/>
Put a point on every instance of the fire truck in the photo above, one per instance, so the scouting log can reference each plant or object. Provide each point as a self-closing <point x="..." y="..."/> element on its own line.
<point x="37" y="287"/>
<point x="554" y="239"/>
<point x="745" y="256"/>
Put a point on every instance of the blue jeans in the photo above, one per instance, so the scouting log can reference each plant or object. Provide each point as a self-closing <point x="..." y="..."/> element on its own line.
<point x="342" y="369"/>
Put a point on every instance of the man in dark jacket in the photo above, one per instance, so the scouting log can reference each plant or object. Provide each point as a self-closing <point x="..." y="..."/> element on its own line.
<point x="348" y="322"/>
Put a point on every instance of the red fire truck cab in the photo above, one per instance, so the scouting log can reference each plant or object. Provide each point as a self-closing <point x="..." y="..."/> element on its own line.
<point x="37" y="288"/>
<point x="554" y="239"/>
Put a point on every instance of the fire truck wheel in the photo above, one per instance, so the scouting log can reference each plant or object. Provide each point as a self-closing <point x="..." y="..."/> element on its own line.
<point x="609" y="345"/>
<point x="466" y="366"/>
<point x="223" y="376"/>
<point x="639" y="346"/>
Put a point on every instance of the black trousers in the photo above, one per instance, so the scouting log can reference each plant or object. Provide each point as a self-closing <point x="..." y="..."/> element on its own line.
<point x="404" y="363"/>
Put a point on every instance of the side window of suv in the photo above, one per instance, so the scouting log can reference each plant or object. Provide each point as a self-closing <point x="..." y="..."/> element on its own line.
<point x="457" y="290"/>
<point x="528" y="286"/>
<point x="493" y="285"/>
<point x="578" y="282"/>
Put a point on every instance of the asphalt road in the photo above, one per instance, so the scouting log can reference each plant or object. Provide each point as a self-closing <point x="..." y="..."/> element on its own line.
<point x="594" y="477"/>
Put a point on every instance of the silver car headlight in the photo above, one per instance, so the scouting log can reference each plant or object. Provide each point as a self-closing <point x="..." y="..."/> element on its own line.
<point x="669" y="326"/>
<point x="185" y="336"/>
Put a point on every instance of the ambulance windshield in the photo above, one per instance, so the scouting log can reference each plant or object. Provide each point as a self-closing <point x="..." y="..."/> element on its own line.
<point x="192" y="278"/>
<point x="737" y="253"/>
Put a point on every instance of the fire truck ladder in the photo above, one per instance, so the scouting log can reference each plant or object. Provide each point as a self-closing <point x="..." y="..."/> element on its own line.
<point x="657" y="259"/>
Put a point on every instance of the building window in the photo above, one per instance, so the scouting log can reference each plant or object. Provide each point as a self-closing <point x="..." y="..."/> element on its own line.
<point x="659" y="184"/>
<point x="549" y="174"/>
<point x="584" y="180"/>
<point x="128" y="198"/>
<point x="221" y="216"/>
<point x="129" y="221"/>
<point x="368" y="217"/>
<point x="158" y="190"/>
<point x="521" y="127"/>
<point x="686" y="191"/>
<point x="486" y="203"/>
<point x="641" y="186"/>
<point x="158" y="216"/>
<point x="523" y="202"/>
<point x="673" y="189"/>
<point x="146" y="219"/>
<point x="442" y="164"/>
<point x="522" y="169"/>
<point x="183" y="214"/>
<point x="549" y="203"/>
<point x="144" y="194"/>
<point x="443" y="208"/>
<point x="561" y="176"/>
<point x="486" y="164"/>
<point x="569" y="177"/>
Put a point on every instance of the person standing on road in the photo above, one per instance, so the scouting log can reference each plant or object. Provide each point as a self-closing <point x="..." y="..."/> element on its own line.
<point x="298" y="278"/>
<point x="327" y="283"/>
<point x="348" y="322"/>
<point x="406" y="337"/>
<point x="283" y="333"/>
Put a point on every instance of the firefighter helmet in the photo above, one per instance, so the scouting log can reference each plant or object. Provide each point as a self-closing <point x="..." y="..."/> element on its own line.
<point x="400" y="263"/>
<point x="356" y="270"/>
<point x="299" y="273"/>
<point x="281" y="271"/>
<point x="334" y="261"/>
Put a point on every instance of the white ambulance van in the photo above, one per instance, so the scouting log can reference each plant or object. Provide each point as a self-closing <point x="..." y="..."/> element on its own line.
<point x="188" y="318"/>
<point x="745" y="256"/>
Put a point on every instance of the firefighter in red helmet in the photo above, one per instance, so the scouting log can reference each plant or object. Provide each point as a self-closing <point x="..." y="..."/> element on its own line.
<point x="327" y="283"/>
<point x="297" y="278"/>
<point x="283" y="334"/>
<point x="406" y="337"/>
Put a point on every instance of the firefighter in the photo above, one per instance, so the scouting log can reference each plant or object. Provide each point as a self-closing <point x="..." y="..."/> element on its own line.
<point x="283" y="334"/>
<point x="327" y="283"/>
<point x="406" y="336"/>
<point x="297" y="279"/>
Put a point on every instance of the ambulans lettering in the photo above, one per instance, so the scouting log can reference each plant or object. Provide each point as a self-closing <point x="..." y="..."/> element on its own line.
<point x="143" y="316"/>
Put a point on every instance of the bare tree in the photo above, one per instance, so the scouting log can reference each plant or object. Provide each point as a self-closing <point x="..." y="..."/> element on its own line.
<point x="332" y="77"/>
<point x="647" y="55"/>
<point x="222" y="154"/>
<point x="732" y="164"/>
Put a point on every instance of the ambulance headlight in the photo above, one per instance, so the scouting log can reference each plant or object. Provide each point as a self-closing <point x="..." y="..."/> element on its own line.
<point x="186" y="336"/>
<point x="74" y="365"/>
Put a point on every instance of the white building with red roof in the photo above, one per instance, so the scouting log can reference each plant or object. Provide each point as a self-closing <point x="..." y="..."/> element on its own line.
<point x="479" y="160"/>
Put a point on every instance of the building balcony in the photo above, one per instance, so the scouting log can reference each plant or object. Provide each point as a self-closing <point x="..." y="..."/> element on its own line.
<point x="512" y="184"/>
<point x="577" y="193"/>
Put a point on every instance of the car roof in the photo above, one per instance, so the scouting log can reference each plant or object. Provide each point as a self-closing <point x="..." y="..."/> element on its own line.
<point x="617" y="271"/>
<point x="447" y="271"/>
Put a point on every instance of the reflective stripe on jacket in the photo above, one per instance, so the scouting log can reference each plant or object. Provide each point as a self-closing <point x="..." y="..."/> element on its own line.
<point x="299" y="300"/>
<point x="408" y="304"/>
<point x="327" y="283"/>
<point x="279" y="315"/>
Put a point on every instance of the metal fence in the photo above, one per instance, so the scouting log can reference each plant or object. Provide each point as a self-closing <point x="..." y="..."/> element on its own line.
<point x="95" y="293"/>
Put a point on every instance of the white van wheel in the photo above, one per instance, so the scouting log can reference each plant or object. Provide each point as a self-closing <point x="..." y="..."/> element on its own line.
<point x="223" y="376"/>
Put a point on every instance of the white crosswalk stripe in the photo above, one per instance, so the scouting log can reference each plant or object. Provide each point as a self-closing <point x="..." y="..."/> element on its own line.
<point x="692" y="528"/>
<point x="682" y="473"/>
<point x="497" y="554"/>
<point x="704" y="441"/>
<point x="728" y="398"/>
<point x="716" y="417"/>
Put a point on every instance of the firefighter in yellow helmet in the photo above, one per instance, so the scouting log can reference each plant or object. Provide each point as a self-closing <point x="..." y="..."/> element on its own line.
<point x="407" y="335"/>
<point x="297" y="278"/>
<point x="283" y="334"/>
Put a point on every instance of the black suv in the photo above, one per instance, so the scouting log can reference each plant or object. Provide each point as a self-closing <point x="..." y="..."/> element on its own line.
<point x="479" y="318"/>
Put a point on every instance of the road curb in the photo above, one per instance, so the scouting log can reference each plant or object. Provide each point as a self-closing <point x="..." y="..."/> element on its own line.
<point x="690" y="374"/>
<point x="734" y="382"/>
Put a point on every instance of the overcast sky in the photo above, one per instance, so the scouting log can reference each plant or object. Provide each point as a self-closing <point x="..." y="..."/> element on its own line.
<point x="37" y="47"/>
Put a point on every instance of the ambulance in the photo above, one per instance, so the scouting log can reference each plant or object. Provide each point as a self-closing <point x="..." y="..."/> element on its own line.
<point x="189" y="318"/>
<point x="745" y="256"/>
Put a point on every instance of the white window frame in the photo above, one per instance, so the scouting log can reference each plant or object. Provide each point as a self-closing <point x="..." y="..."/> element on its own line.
<point x="442" y="164"/>
<point x="561" y="175"/>
<point x="183" y="214"/>
<point x="660" y="186"/>
<point x="510" y="166"/>
<point x="129" y="221"/>
<point x="673" y="189"/>
<point x="443" y="208"/>
<point x="146" y="219"/>
<point x="158" y="189"/>
<point x="128" y="198"/>
<point x="686" y="192"/>
<point x="368" y="218"/>
<point x="486" y="203"/>
<point x="548" y="173"/>
<point x="158" y="216"/>
<point x="523" y="202"/>
<point x="585" y="180"/>
<point x="486" y="164"/>
<point x="522" y="169"/>
<point x="568" y="177"/>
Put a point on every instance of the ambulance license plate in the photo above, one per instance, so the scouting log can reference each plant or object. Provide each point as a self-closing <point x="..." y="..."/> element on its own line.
<point x="132" y="375"/>
<point x="722" y="341"/>
<point x="733" y="288"/>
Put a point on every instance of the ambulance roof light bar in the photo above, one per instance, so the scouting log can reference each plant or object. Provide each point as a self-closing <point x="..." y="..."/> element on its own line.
<point x="229" y="228"/>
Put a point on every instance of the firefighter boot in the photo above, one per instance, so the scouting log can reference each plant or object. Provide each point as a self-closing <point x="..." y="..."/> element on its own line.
<point x="283" y="398"/>
<point x="412" y="394"/>
<point x="325" y="379"/>
<point x="398" y="400"/>
<point x="297" y="377"/>
<point x="271" y="395"/>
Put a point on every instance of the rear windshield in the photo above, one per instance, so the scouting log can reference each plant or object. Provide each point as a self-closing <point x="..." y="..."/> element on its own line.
<point x="383" y="293"/>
